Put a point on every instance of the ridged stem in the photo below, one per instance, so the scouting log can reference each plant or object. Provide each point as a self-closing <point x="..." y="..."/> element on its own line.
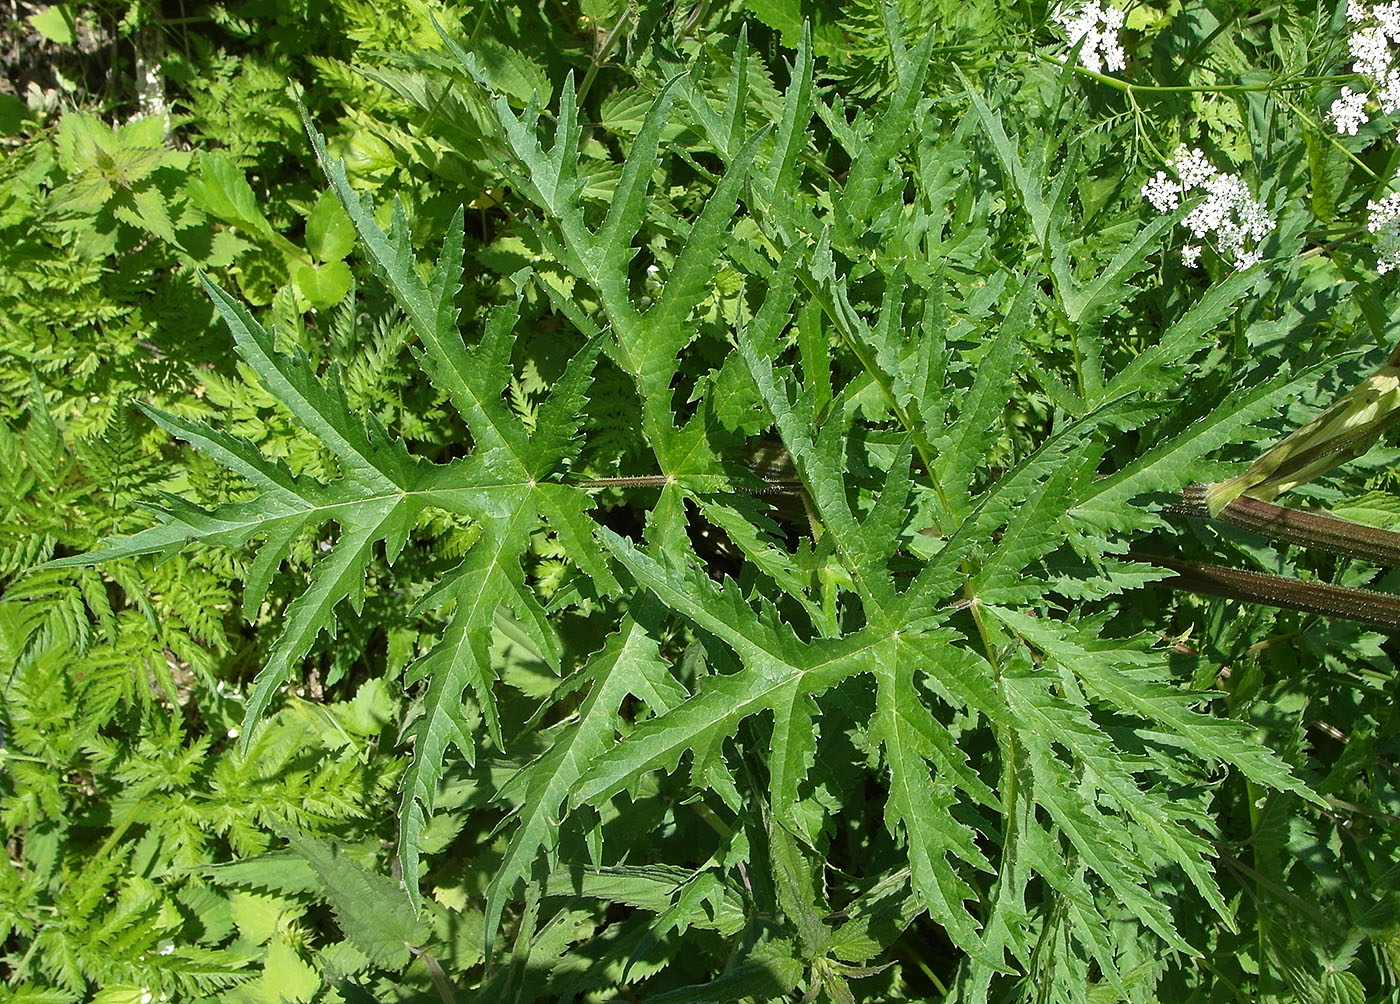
<point x="1292" y="526"/>
<point x="1366" y="606"/>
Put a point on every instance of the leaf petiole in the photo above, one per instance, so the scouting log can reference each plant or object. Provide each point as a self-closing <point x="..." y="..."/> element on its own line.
<point x="1321" y="531"/>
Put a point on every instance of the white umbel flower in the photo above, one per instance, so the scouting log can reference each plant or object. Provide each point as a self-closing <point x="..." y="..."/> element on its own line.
<point x="1388" y="94"/>
<point x="1370" y="53"/>
<point x="1229" y="217"/>
<point x="1383" y="220"/>
<point x="1162" y="192"/>
<point x="1192" y="167"/>
<point x="1098" y="25"/>
<point x="1388" y="16"/>
<point x="1374" y="45"/>
<point x="1247" y="259"/>
<point x="1348" y="112"/>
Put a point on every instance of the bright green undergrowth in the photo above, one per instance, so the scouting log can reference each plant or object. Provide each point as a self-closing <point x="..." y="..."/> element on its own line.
<point x="463" y="652"/>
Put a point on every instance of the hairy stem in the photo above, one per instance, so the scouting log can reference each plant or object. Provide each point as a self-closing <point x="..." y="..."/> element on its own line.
<point x="1292" y="526"/>
<point x="1366" y="606"/>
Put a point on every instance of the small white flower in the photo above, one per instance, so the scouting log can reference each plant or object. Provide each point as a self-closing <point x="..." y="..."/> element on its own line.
<point x="1370" y="53"/>
<point x="1225" y="194"/>
<point x="1098" y="26"/>
<point x="1383" y="213"/>
<point x="1383" y="220"/>
<point x="165" y="947"/>
<point x="1388" y="94"/>
<point x="1228" y="216"/>
<point x="1162" y="192"/>
<point x="1388" y="14"/>
<point x="233" y="733"/>
<point x="1348" y="112"/>
<point x="1387" y="251"/>
<point x="1191" y="167"/>
<point x="1113" y="56"/>
<point x="147" y="996"/>
<point x="1372" y="44"/>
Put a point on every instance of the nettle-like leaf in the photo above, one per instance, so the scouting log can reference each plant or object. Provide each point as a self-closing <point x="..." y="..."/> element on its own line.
<point x="928" y="632"/>
<point x="503" y="486"/>
<point x="926" y="625"/>
<point x="373" y="911"/>
<point x="644" y="343"/>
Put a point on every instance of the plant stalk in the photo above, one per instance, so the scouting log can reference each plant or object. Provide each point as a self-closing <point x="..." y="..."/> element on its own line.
<point x="1366" y="606"/>
<point x="1321" y="531"/>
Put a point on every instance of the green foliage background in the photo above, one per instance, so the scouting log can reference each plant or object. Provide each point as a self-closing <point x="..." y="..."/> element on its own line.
<point x="394" y="607"/>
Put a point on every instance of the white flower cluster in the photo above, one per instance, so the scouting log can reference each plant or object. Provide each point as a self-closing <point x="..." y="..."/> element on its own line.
<point x="1229" y="217"/>
<point x="1098" y="25"/>
<point x="1384" y="221"/>
<point x="1348" y="112"/>
<point x="1373" y="45"/>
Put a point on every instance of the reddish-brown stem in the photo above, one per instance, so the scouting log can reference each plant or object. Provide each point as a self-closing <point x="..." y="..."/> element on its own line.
<point x="1293" y="526"/>
<point x="1366" y="606"/>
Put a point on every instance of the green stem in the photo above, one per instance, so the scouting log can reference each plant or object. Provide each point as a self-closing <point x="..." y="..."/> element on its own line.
<point x="1263" y="15"/>
<point x="1130" y="88"/>
<point x="1313" y="124"/>
<point x="932" y="977"/>
<point x="439" y="979"/>
<point x="600" y="57"/>
<point x="1200" y="46"/>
